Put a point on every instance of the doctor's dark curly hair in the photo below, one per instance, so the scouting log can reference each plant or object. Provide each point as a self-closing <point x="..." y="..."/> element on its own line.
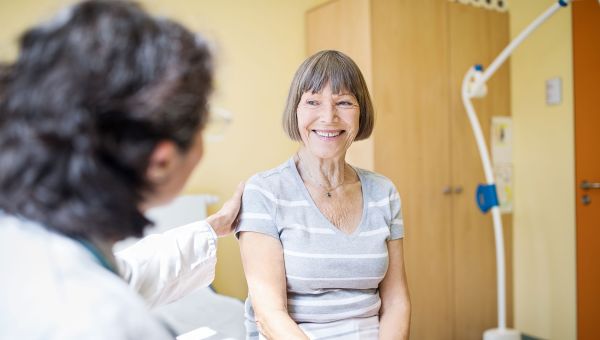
<point x="81" y="109"/>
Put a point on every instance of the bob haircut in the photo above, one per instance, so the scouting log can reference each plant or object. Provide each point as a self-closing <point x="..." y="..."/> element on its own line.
<point x="343" y="74"/>
<point x="82" y="108"/>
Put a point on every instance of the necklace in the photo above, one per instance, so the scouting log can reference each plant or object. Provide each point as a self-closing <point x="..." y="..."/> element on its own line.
<point x="313" y="180"/>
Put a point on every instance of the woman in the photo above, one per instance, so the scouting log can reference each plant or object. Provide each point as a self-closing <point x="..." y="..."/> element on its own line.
<point x="321" y="241"/>
<point x="101" y="118"/>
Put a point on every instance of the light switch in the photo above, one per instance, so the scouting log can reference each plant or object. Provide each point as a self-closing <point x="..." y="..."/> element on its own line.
<point x="554" y="91"/>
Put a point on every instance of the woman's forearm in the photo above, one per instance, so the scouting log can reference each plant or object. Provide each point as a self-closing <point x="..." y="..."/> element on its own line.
<point x="394" y="321"/>
<point x="275" y="325"/>
<point x="394" y="315"/>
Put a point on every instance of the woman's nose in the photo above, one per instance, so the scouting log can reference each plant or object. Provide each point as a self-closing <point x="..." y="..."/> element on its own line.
<point x="328" y="112"/>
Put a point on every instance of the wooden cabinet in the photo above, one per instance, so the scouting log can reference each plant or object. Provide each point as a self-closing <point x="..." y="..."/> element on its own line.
<point x="414" y="55"/>
<point x="475" y="36"/>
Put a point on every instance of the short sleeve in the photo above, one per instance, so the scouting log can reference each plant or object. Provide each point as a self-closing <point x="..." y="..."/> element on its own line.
<point x="397" y="221"/>
<point x="258" y="208"/>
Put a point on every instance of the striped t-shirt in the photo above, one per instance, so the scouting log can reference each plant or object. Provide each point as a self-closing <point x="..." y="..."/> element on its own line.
<point x="332" y="277"/>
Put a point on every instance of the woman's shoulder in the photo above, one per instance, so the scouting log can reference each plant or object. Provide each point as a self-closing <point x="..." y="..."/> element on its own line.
<point x="376" y="181"/>
<point x="272" y="178"/>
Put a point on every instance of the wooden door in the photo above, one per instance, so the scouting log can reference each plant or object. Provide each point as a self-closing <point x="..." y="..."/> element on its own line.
<point x="586" y="67"/>
<point x="412" y="147"/>
<point x="476" y="36"/>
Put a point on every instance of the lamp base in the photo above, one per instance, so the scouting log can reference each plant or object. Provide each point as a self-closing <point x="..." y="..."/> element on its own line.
<point x="502" y="334"/>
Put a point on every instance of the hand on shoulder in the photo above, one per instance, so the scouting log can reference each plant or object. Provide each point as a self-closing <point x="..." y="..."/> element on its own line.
<point x="226" y="219"/>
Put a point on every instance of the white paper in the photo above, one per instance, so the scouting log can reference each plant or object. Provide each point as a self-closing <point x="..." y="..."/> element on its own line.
<point x="197" y="334"/>
<point x="504" y="186"/>
<point x="502" y="159"/>
<point x="502" y="140"/>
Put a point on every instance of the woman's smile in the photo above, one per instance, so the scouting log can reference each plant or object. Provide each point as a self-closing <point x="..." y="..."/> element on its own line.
<point x="328" y="134"/>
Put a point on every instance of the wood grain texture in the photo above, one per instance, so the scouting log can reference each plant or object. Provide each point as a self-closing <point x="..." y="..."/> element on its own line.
<point x="412" y="148"/>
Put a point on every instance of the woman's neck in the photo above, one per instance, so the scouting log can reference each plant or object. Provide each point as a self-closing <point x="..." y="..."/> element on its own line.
<point x="327" y="173"/>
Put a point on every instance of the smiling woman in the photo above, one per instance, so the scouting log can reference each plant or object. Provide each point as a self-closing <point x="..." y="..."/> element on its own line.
<point x="331" y="233"/>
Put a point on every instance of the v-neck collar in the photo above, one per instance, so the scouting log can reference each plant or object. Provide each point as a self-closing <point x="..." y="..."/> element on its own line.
<point x="306" y="193"/>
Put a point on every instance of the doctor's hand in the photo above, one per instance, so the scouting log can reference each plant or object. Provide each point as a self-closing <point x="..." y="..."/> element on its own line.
<point x="225" y="220"/>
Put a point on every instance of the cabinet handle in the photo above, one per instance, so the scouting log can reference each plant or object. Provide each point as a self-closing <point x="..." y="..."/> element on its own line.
<point x="449" y="190"/>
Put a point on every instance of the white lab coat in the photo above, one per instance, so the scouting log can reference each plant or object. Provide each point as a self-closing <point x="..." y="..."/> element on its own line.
<point x="51" y="287"/>
<point x="165" y="267"/>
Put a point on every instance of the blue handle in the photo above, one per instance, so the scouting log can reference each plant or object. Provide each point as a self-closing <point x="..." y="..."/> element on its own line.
<point x="486" y="197"/>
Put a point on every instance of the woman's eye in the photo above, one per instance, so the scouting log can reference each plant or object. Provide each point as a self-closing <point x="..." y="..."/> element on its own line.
<point x="345" y="103"/>
<point x="312" y="102"/>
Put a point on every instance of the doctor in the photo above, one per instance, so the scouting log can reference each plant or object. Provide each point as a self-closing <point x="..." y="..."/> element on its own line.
<point x="101" y="118"/>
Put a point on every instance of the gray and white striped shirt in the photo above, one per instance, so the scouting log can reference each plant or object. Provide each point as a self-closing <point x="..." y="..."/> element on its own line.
<point x="332" y="277"/>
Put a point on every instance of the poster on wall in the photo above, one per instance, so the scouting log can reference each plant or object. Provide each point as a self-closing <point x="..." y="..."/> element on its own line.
<point x="502" y="159"/>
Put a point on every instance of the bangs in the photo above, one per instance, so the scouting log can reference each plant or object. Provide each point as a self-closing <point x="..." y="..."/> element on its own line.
<point x="332" y="69"/>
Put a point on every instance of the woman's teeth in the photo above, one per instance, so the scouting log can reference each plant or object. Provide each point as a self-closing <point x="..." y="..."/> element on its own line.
<point x="328" y="134"/>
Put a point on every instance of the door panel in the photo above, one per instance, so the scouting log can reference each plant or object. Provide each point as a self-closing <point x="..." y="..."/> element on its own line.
<point x="475" y="36"/>
<point x="586" y="72"/>
<point x="410" y="85"/>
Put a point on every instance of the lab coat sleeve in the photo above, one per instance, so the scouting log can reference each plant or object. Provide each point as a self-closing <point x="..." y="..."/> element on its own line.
<point x="165" y="267"/>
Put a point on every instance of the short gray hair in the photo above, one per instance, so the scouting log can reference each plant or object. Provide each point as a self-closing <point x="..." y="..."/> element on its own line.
<point x="343" y="74"/>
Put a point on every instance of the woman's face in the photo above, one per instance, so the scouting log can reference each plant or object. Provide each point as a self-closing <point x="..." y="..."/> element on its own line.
<point x="188" y="161"/>
<point x="328" y="122"/>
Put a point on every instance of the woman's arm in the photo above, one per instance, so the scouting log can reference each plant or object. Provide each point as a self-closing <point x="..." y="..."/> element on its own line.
<point x="262" y="257"/>
<point x="394" y="315"/>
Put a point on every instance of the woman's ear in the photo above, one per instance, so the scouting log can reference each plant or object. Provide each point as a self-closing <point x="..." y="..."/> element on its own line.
<point x="164" y="160"/>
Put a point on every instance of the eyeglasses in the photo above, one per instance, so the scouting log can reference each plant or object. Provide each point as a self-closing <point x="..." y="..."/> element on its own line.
<point x="219" y="119"/>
